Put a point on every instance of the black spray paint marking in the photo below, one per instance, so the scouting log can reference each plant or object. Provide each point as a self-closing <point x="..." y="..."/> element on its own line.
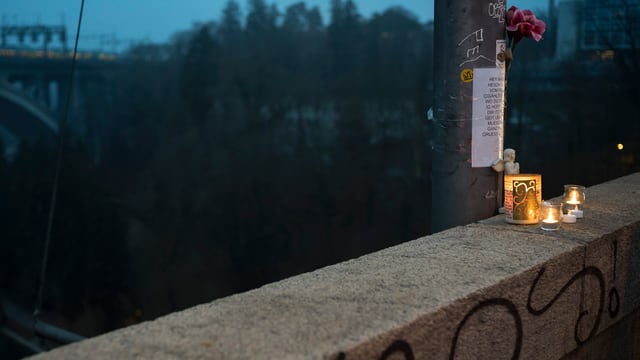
<point x="513" y="311"/>
<point x="398" y="346"/>
<point x="587" y="271"/>
<point x="614" y="297"/>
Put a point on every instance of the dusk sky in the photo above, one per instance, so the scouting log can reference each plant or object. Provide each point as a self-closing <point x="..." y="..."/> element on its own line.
<point x="157" y="20"/>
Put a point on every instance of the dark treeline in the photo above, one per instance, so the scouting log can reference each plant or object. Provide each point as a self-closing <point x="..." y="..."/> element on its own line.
<point x="260" y="146"/>
<point x="245" y="151"/>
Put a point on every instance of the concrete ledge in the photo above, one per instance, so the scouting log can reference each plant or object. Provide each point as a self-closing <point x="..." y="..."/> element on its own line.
<point x="487" y="291"/>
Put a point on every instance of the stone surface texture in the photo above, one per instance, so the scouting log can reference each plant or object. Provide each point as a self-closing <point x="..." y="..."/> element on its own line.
<point x="488" y="290"/>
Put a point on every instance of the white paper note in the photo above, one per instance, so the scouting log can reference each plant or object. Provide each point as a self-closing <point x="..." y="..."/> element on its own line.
<point x="488" y="116"/>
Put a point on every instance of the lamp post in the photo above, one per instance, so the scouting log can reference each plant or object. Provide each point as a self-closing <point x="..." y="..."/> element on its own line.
<point x="468" y="110"/>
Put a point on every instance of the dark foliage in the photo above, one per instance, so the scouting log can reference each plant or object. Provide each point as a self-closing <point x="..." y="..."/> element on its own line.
<point x="234" y="156"/>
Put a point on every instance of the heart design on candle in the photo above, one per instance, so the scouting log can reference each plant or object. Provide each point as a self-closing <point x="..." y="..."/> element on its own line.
<point x="522" y="198"/>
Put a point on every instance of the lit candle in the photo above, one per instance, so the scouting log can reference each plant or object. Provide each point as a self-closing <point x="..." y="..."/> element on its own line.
<point x="574" y="202"/>
<point x="551" y="215"/>
<point x="522" y="198"/>
<point x="574" y="197"/>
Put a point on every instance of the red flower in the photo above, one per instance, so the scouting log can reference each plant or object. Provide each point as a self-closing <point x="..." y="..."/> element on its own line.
<point x="523" y="23"/>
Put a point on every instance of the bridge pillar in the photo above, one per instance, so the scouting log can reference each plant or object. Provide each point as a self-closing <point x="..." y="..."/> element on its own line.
<point x="37" y="86"/>
<point x="41" y="86"/>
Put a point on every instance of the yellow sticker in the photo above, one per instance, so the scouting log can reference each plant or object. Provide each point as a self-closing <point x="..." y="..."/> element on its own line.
<point x="466" y="75"/>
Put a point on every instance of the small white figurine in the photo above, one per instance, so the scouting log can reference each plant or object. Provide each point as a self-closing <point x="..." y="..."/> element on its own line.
<point x="511" y="167"/>
<point x="509" y="164"/>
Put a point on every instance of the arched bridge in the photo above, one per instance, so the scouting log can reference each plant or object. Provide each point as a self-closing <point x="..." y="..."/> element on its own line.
<point x="24" y="117"/>
<point x="34" y="86"/>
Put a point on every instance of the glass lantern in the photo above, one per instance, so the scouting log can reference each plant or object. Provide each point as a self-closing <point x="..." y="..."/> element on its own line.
<point x="574" y="198"/>
<point x="550" y="215"/>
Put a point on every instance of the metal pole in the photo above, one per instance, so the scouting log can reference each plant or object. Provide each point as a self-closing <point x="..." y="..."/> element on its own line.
<point x="468" y="131"/>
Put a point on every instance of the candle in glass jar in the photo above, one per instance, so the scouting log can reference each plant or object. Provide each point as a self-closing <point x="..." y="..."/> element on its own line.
<point x="574" y="198"/>
<point x="550" y="215"/>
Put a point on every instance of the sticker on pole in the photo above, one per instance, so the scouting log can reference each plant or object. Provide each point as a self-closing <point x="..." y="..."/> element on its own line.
<point x="488" y="114"/>
<point x="466" y="75"/>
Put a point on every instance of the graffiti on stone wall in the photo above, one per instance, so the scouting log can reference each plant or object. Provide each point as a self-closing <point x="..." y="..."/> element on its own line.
<point x="397" y="347"/>
<point x="402" y="347"/>
<point x="587" y="271"/>
<point x="513" y="311"/>
<point x="614" y="297"/>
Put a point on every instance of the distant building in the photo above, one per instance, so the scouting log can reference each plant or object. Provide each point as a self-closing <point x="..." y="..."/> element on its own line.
<point x="567" y="29"/>
<point x="596" y="28"/>
<point x="610" y="24"/>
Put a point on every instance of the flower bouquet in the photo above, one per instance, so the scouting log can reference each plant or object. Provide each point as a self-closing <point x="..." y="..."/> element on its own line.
<point x="521" y="24"/>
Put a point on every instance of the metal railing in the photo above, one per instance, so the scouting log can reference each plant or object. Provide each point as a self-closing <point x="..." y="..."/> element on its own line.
<point x="29" y="331"/>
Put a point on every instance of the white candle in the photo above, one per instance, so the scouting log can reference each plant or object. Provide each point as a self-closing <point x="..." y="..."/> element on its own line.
<point x="577" y="213"/>
<point x="569" y="219"/>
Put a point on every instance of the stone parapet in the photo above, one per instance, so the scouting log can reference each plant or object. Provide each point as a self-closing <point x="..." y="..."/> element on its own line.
<point x="488" y="290"/>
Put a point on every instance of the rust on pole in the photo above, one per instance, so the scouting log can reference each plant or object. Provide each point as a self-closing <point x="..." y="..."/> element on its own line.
<point x="468" y="110"/>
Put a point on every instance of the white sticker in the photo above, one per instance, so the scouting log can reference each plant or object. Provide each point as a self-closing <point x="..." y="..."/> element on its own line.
<point x="488" y="114"/>
<point x="501" y="49"/>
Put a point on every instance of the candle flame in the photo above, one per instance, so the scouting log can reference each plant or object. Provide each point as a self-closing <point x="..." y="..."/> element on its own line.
<point x="550" y="216"/>
<point x="574" y="196"/>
